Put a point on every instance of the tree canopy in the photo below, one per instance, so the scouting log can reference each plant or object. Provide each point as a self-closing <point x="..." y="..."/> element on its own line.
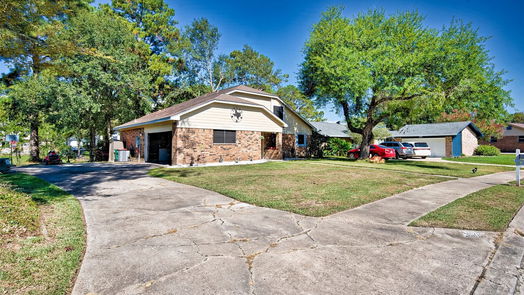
<point x="376" y="67"/>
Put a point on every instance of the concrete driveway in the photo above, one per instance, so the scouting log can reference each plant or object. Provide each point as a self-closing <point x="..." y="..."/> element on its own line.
<point x="149" y="235"/>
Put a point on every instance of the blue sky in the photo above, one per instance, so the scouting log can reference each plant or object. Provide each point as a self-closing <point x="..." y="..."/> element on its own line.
<point x="279" y="29"/>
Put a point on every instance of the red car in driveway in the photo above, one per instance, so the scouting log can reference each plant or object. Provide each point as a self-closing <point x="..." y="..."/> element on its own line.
<point x="374" y="150"/>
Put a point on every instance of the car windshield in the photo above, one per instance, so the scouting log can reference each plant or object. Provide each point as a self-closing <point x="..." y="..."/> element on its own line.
<point x="421" y="144"/>
<point x="407" y="144"/>
<point x="382" y="146"/>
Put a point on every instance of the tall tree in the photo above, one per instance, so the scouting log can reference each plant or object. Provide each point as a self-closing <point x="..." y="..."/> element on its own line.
<point x="109" y="85"/>
<point x="300" y="103"/>
<point x="251" y="68"/>
<point x="376" y="67"/>
<point x="156" y="26"/>
<point x="27" y="30"/>
<point x="201" y="57"/>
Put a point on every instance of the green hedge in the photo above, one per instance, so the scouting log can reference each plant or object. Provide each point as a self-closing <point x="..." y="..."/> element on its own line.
<point x="487" y="150"/>
<point x="336" y="147"/>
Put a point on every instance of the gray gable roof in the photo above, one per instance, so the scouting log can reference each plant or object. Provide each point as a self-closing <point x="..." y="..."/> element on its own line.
<point x="435" y="129"/>
<point x="332" y="129"/>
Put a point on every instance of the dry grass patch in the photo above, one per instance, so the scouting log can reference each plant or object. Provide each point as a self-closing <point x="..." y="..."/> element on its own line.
<point x="302" y="187"/>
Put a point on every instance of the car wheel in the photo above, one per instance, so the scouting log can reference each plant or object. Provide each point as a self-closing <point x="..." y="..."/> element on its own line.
<point x="424" y="157"/>
<point x="352" y="156"/>
<point x="397" y="155"/>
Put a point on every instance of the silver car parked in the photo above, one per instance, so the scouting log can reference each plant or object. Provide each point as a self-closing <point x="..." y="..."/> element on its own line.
<point x="403" y="150"/>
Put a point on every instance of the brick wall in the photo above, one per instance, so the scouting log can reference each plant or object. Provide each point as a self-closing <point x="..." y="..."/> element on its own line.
<point x="290" y="149"/>
<point x="449" y="146"/>
<point x="128" y="137"/>
<point x="507" y="143"/>
<point x="194" y="145"/>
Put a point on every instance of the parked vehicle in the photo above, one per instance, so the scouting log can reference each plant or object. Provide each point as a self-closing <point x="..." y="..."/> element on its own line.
<point x="421" y="149"/>
<point x="5" y="165"/>
<point x="52" y="158"/>
<point x="403" y="150"/>
<point x="374" y="150"/>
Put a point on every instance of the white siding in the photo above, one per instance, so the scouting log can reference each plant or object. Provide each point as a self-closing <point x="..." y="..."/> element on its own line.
<point x="295" y="125"/>
<point x="437" y="145"/>
<point x="261" y="100"/>
<point x="218" y="116"/>
<point x="469" y="142"/>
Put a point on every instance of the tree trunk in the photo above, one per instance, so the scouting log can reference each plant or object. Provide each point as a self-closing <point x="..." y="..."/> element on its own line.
<point x="367" y="139"/>
<point x="34" y="142"/>
<point x="92" y="144"/>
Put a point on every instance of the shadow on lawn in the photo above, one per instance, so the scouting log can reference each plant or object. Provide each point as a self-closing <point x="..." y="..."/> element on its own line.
<point x="399" y="163"/>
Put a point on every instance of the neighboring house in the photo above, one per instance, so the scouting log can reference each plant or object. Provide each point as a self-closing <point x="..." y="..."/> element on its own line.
<point x="332" y="130"/>
<point x="512" y="138"/>
<point x="451" y="139"/>
<point x="235" y="124"/>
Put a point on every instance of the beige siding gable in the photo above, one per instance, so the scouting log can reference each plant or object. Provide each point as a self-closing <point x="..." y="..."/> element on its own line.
<point x="469" y="141"/>
<point x="295" y="125"/>
<point x="218" y="116"/>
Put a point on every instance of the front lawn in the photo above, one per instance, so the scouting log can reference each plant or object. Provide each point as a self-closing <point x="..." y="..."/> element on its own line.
<point x="42" y="236"/>
<point x="303" y="187"/>
<point x="503" y="159"/>
<point x="489" y="209"/>
<point x="434" y="168"/>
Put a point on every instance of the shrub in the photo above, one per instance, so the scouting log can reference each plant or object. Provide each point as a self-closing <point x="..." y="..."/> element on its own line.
<point x="487" y="150"/>
<point x="336" y="147"/>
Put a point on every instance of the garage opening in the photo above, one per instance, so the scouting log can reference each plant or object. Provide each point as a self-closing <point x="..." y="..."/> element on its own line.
<point x="159" y="148"/>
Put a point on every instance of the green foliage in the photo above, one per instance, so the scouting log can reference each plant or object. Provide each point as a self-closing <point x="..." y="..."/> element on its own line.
<point x="249" y="67"/>
<point x="517" y="117"/>
<point x="201" y="58"/>
<point x="378" y="68"/>
<point x="293" y="97"/>
<point x="336" y="147"/>
<point x="487" y="150"/>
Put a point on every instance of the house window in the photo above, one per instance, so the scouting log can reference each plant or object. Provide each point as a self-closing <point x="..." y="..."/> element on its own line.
<point x="521" y="138"/>
<point x="301" y="140"/>
<point x="279" y="111"/>
<point x="509" y="127"/>
<point x="224" y="136"/>
<point x="493" y="139"/>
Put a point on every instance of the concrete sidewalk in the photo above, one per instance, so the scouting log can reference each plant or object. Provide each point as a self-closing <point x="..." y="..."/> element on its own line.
<point x="152" y="236"/>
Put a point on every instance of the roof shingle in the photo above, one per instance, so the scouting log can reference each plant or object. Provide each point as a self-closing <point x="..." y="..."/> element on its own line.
<point x="434" y="129"/>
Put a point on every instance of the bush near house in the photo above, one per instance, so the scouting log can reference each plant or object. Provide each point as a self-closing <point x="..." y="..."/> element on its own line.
<point x="487" y="150"/>
<point x="336" y="147"/>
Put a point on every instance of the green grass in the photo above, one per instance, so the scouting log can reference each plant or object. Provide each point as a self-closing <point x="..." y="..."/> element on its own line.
<point x="42" y="236"/>
<point x="432" y="168"/>
<point x="504" y="159"/>
<point x="490" y="209"/>
<point x="304" y="187"/>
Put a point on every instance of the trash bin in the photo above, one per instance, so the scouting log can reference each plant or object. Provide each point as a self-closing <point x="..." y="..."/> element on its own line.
<point x="123" y="155"/>
<point x="116" y="155"/>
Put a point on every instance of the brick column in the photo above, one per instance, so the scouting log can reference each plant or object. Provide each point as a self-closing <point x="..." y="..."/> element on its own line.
<point x="174" y="143"/>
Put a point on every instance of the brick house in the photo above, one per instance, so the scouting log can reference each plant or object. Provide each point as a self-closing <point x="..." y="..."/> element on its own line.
<point x="450" y="139"/>
<point x="235" y="124"/>
<point x="512" y="138"/>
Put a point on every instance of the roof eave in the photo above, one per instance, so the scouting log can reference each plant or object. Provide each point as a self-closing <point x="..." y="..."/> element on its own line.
<point x="121" y="127"/>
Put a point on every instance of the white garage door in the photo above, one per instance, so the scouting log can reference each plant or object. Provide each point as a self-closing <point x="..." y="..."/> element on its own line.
<point x="437" y="145"/>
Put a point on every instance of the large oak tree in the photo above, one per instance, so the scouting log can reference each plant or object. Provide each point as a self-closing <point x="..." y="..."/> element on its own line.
<point x="376" y="68"/>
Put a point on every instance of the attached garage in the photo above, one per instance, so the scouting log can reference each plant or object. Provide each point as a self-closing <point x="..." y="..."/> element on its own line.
<point x="450" y="139"/>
